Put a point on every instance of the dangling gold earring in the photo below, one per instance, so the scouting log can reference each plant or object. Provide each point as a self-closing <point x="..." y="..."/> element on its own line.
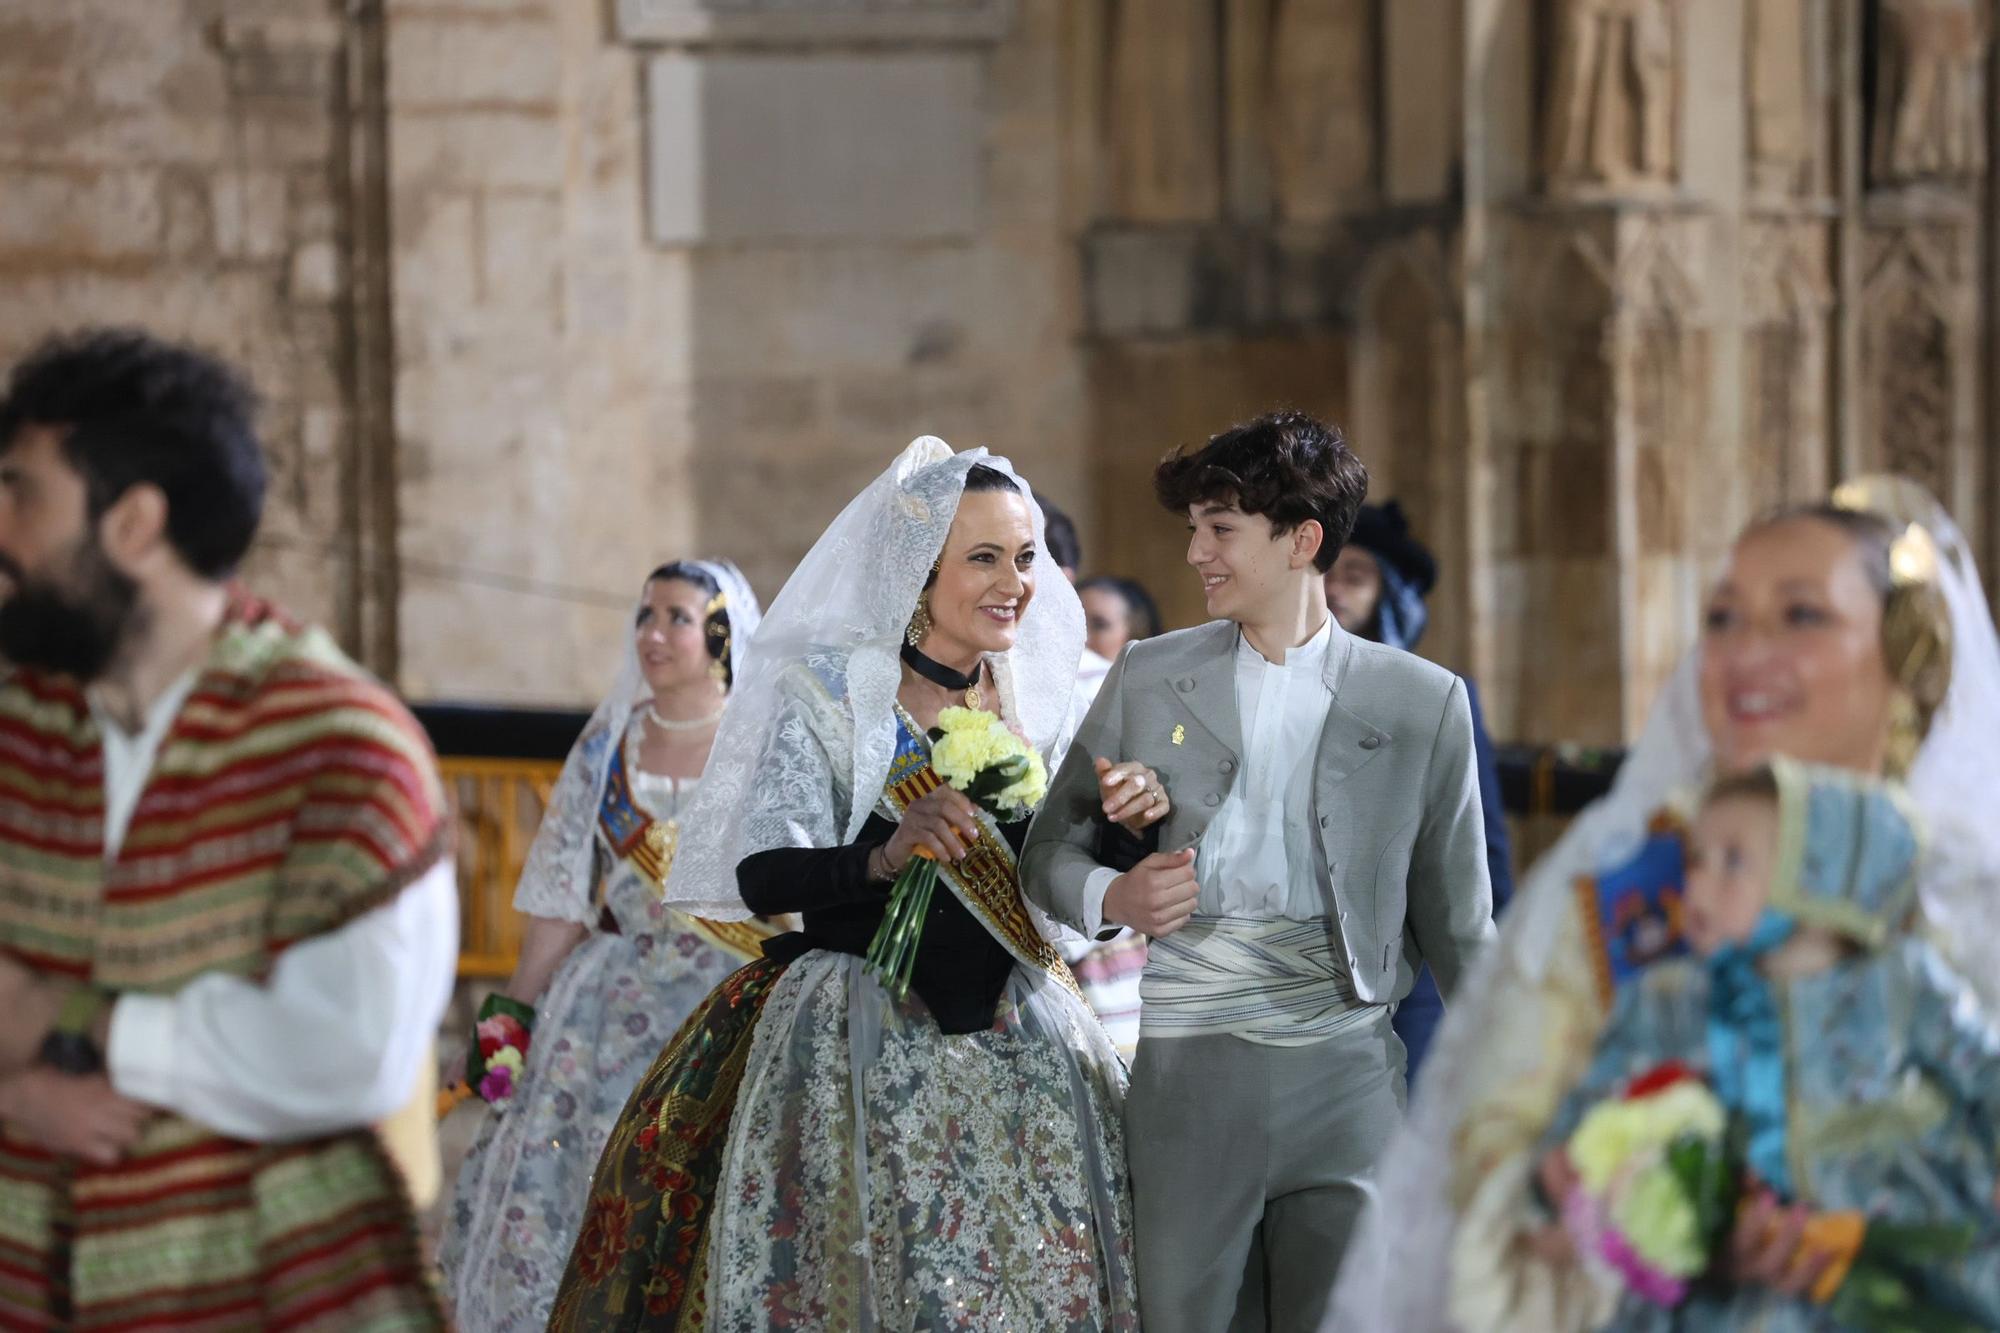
<point x="1906" y="737"/>
<point x="920" y="620"/>
<point x="719" y="673"/>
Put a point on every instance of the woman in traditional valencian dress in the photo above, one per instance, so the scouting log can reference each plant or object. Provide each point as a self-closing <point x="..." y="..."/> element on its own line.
<point x="1854" y="635"/>
<point x="607" y="970"/>
<point x="810" y="1152"/>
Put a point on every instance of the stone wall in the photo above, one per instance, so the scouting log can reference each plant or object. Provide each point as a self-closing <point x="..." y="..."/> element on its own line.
<point x="1733" y="258"/>
<point x="542" y="292"/>
<point x="619" y="341"/>
<point x="184" y="164"/>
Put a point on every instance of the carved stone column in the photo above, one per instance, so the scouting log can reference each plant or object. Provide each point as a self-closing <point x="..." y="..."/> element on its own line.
<point x="1609" y="122"/>
<point x="1918" y="398"/>
<point x="1930" y="91"/>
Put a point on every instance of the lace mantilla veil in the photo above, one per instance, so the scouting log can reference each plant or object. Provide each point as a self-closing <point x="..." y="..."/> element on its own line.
<point x="1395" y="1275"/>
<point x="849" y="601"/>
<point x="559" y="877"/>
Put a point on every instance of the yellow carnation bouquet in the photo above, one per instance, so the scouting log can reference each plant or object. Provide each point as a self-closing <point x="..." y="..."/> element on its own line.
<point x="981" y="757"/>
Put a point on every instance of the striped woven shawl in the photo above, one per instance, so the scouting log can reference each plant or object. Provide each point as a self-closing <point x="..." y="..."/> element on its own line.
<point x="292" y="794"/>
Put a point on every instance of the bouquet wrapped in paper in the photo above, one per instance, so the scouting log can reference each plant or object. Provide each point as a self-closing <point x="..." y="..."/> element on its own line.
<point x="993" y="767"/>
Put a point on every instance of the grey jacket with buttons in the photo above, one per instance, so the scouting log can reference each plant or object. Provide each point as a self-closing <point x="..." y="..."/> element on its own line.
<point x="1395" y="795"/>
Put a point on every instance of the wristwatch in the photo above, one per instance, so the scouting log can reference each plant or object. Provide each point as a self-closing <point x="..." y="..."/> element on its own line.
<point x="69" y="1048"/>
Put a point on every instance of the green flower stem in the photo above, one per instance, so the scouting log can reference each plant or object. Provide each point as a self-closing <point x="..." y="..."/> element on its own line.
<point x="912" y="932"/>
<point x="909" y="931"/>
<point x="892" y="954"/>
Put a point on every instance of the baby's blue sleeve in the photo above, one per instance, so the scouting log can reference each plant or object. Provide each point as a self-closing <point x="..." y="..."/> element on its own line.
<point x="1657" y="1018"/>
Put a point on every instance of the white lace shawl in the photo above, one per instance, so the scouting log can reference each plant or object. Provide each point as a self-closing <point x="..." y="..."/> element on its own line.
<point x="559" y="878"/>
<point x="774" y="778"/>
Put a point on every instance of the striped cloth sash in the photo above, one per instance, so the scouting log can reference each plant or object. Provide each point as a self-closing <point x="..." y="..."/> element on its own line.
<point x="1269" y="980"/>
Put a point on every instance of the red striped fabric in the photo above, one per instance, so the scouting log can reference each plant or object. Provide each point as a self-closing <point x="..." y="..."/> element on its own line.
<point x="291" y="794"/>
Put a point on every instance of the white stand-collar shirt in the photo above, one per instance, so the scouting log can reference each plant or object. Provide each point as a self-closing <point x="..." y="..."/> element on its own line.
<point x="1259" y="857"/>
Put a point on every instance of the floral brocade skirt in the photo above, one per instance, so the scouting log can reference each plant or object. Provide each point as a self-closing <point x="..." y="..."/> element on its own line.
<point x="520" y="1193"/>
<point x="807" y="1153"/>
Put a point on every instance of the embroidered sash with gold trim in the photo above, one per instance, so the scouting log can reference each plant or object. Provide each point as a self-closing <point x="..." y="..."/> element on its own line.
<point x="649" y="844"/>
<point x="988" y="880"/>
<point x="635" y="835"/>
<point x="745" y="939"/>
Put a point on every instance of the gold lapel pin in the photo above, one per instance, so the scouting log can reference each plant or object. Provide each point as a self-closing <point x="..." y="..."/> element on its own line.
<point x="1180" y="733"/>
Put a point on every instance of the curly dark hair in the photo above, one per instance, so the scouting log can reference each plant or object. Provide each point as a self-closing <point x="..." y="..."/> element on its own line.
<point x="1286" y="466"/>
<point x="137" y="410"/>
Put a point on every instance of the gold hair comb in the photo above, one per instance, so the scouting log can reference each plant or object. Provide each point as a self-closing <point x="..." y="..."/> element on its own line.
<point x="1913" y="557"/>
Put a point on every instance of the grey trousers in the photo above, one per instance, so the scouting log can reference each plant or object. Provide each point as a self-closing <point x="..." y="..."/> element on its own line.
<point x="1240" y="1151"/>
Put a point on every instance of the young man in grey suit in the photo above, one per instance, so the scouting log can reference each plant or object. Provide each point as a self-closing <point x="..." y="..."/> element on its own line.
<point x="1323" y="840"/>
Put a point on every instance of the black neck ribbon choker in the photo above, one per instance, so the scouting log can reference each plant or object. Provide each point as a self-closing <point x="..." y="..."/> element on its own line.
<point x="937" y="672"/>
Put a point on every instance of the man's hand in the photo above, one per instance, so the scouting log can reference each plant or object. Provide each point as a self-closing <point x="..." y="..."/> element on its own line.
<point x="31" y="1004"/>
<point x="77" y="1117"/>
<point x="1132" y="795"/>
<point x="1155" y="897"/>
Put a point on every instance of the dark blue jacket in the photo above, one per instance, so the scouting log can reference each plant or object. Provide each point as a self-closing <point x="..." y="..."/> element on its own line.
<point x="1422" y="1010"/>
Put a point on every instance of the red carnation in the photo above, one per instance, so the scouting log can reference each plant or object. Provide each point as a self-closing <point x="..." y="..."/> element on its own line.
<point x="1659" y="1079"/>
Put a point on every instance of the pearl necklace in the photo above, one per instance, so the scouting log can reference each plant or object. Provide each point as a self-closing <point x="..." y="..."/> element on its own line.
<point x="679" y="724"/>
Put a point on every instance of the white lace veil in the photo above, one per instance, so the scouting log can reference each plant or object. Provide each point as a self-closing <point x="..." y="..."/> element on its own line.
<point x="1953" y="779"/>
<point x="1956" y="769"/>
<point x="851" y="598"/>
<point x="1951" y="783"/>
<point x="559" y="878"/>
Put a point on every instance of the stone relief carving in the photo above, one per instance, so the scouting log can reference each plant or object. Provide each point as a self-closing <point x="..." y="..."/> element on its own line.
<point x="1612" y="100"/>
<point x="792" y="21"/>
<point x="1563" y="390"/>
<point x="1915" y="336"/>
<point x="1664" y="364"/>
<point x="1930" y="91"/>
<point x="1781" y="97"/>
<point x="1913" y="369"/>
<point x="1320" y="104"/>
<point x="1787" y="304"/>
<point x="1404" y="375"/>
<point x="1659" y="270"/>
<point x="1163" y="129"/>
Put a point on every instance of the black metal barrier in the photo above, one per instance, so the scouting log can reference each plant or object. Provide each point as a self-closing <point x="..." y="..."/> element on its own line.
<point x="479" y="731"/>
<point x="1534" y="779"/>
<point x="1554" y="779"/>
